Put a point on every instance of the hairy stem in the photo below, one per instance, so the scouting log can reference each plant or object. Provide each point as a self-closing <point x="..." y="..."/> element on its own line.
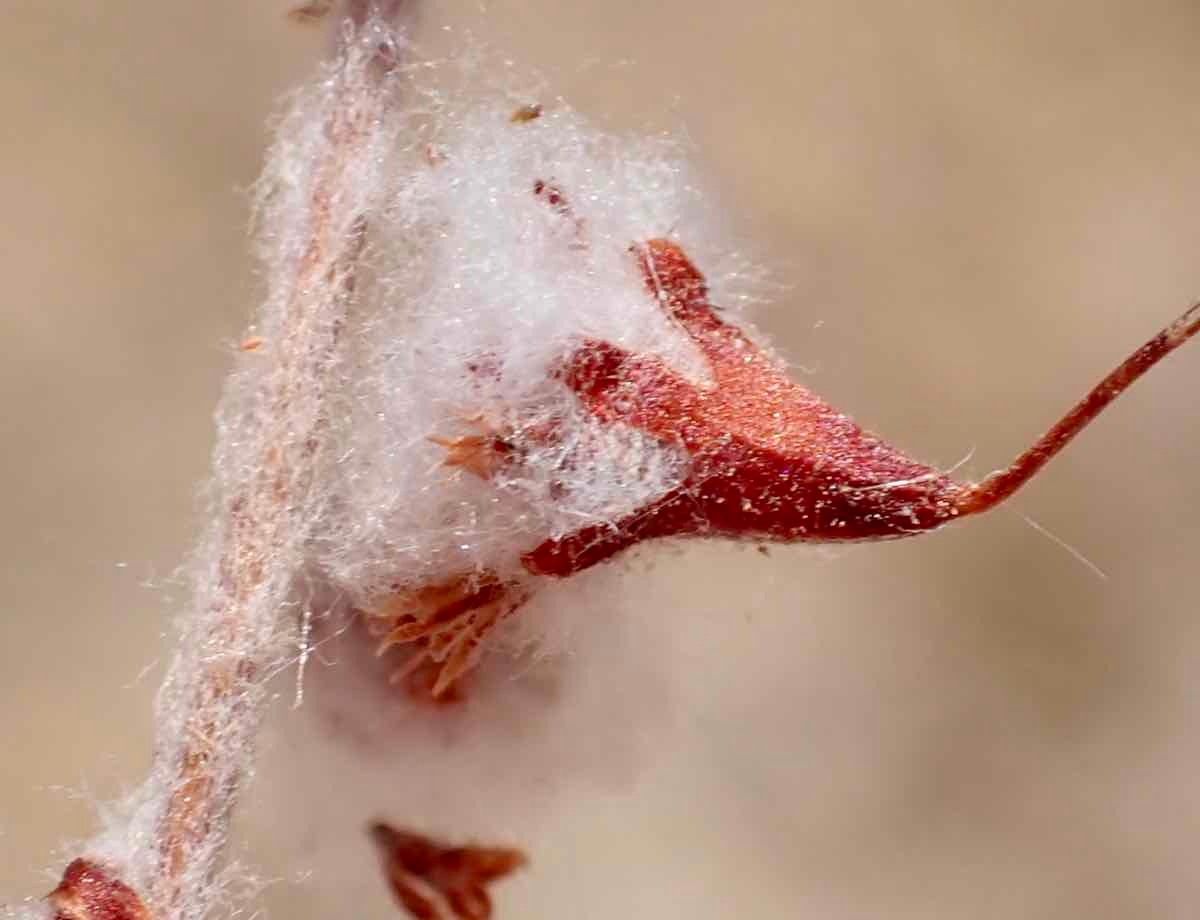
<point x="162" y="864"/>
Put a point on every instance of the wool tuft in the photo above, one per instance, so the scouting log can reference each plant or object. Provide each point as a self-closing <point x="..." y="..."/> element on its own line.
<point x="501" y="245"/>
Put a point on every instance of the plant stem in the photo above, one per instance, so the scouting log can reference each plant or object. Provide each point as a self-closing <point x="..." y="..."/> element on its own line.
<point x="163" y="863"/>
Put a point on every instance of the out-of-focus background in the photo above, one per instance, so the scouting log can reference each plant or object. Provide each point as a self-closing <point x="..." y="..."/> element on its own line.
<point x="975" y="210"/>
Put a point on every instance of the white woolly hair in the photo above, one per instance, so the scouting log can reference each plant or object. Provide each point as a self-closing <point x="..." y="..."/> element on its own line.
<point x="480" y="289"/>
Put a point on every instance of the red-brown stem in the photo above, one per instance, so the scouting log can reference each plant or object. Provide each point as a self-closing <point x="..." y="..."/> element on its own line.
<point x="1000" y="485"/>
<point x="197" y="804"/>
<point x="203" y="768"/>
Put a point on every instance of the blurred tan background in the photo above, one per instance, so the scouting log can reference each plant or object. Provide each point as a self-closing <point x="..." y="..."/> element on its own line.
<point x="977" y="209"/>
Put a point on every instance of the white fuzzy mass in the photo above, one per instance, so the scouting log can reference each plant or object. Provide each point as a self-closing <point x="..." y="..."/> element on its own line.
<point x="500" y="247"/>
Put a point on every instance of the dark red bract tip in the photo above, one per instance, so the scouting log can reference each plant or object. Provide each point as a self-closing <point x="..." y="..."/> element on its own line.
<point x="90" y="891"/>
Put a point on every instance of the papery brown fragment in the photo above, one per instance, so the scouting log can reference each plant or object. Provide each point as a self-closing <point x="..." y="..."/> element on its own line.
<point x="445" y="624"/>
<point x="483" y="455"/>
<point x="434" y="881"/>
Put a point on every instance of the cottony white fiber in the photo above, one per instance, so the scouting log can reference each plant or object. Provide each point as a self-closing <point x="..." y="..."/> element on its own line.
<point x="480" y="289"/>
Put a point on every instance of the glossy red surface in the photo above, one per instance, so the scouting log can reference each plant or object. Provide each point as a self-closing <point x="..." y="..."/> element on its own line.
<point x="88" y="891"/>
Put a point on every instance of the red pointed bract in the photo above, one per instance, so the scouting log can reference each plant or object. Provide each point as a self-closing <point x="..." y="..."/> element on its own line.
<point x="768" y="459"/>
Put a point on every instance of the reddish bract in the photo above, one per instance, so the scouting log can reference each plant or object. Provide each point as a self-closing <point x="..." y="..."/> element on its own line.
<point x="768" y="459"/>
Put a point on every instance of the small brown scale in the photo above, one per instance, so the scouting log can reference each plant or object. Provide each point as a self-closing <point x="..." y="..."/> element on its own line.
<point x="432" y="880"/>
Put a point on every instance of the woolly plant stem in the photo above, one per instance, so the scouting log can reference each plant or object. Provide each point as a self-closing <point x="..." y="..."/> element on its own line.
<point x="261" y="523"/>
<point x="162" y="862"/>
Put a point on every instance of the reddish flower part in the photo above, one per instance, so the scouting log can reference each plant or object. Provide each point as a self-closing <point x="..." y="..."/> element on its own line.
<point x="767" y="459"/>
